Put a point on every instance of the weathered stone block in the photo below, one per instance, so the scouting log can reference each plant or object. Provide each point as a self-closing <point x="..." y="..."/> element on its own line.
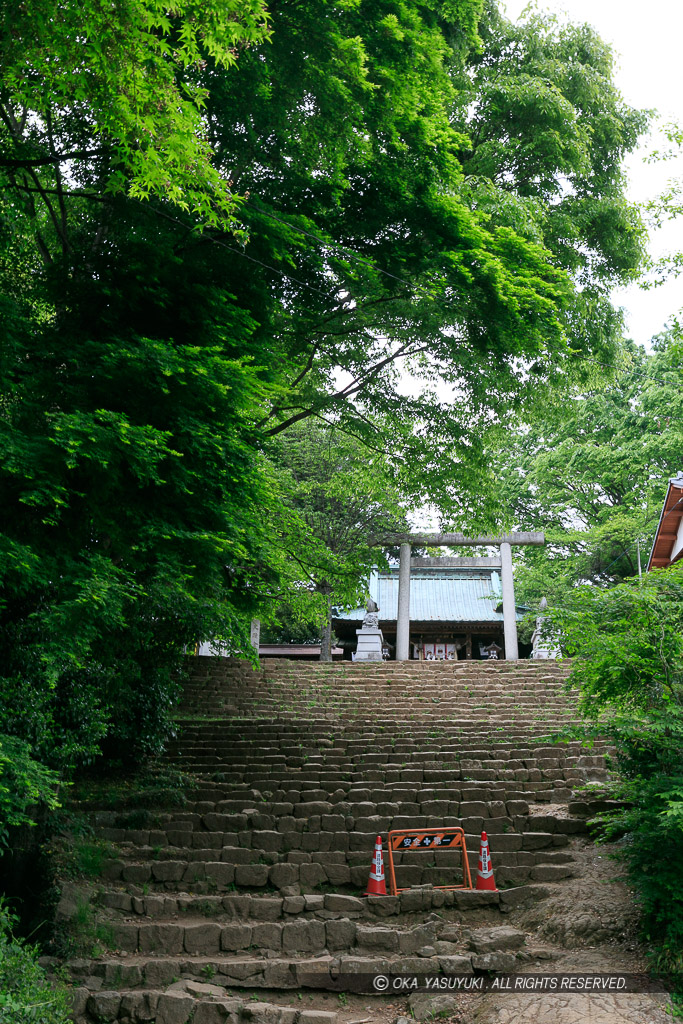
<point x="155" y="906"/>
<point x="491" y="940"/>
<point x="468" y="899"/>
<point x="136" y="873"/>
<point x="217" y="1013"/>
<point x="235" y="936"/>
<point x="551" y="872"/>
<point x="497" y="826"/>
<point x="383" y="906"/>
<point x="161" y="938"/>
<point x="168" y="870"/>
<point x="455" y="964"/>
<point x="104" y="1006"/>
<point x="415" y="938"/>
<point x="307" y="810"/>
<point x="536" y="840"/>
<point x="279" y="974"/>
<point x="293" y="904"/>
<point x="340" y="934"/>
<point x="507" y="842"/>
<point x="251" y="875"/>
<point x="220" y="873"/>
<point x="303" y="936"/>
<point x="337" y="874"/>
<point x="125" y="937"/>
<point x="283" y="874"/>
<point x="265" y="908"/>
<point x="122" y="975"/>
<point x="494" y="962"/>
<point x="196" y="871"/>
<point x="220" y="822"/>
<point x="237" y="906"/>
<point x="497" y="809"/>
<point x="343" y="904"/>
<point x="333" y="823"/>
<point x="159" y="973"/>
<point x="112" y="869"/>
<point x="311" y="874"/>
<point x="271" y="841"/>
<point x="428" y="1006"/>
<point x="174" y="1008"/>
<point x="267" y="935"/>
<point x="202" y="938"/>
<point x="139" y="1006"/>
<point x="384" y="939"/>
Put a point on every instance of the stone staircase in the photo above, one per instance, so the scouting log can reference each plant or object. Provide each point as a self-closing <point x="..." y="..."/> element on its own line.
<point x="251" y="889"/>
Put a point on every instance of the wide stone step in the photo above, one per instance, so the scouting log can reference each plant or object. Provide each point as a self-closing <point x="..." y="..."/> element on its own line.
<point x="491" y="948"/>
<point x="517" y="858"/>
<point x="183" y="1002"/>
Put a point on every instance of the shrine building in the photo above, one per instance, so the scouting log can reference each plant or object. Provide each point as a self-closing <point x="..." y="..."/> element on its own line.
<point x="667" y="547"/>
<point x="456" y="610"/>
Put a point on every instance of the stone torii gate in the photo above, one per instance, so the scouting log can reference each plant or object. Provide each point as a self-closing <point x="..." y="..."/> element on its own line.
<point x="504" y="542"/>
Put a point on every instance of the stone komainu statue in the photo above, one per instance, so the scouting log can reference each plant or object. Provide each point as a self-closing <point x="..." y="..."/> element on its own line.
<point x="371" y="620"/>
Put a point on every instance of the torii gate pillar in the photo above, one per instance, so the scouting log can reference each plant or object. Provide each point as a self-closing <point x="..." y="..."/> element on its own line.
<point x="459" y="540"/>
<point x="403" y="614"/>
<point x="509" y="609"/>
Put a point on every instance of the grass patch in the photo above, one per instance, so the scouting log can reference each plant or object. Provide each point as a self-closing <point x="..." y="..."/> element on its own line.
<point x="156" y="785"/>
<point x="76" y="857"/>
<point x="84" y="934"/>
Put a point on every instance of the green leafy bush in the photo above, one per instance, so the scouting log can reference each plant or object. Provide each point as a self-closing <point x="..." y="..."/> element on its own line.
<point x="24" y="784"/>
<point x="26" y="996"/>
<point x="627" y="645"/>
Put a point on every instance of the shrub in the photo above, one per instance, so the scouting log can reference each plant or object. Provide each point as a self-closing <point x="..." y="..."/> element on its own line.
<point x="24" y="784"/>
<point x="627" y="644"/>
<point x="26" y="996"/>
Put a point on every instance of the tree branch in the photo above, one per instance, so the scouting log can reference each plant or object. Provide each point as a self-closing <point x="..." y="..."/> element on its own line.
<point x="46" y="161"/>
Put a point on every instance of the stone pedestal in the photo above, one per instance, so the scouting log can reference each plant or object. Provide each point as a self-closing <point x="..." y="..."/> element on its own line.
<point x="369" y="644"/>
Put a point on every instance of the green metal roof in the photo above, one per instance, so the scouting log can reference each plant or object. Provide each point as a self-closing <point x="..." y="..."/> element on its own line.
<point x="437" y="596"/>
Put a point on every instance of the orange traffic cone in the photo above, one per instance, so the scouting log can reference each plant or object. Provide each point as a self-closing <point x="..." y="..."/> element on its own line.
<point x="376" y="885"/>
<point x="485" y="879"/>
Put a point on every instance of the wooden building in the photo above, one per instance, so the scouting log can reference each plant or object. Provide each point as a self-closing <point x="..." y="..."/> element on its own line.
<point x="456" y="609"/>
<point x="667" y="547"/>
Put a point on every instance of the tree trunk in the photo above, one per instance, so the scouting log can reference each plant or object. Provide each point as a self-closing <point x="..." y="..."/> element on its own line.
<point x="326" y="641"/>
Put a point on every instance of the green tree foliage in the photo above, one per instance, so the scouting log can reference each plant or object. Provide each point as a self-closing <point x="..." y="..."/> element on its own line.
<point x="102" y="100"/>
<point x="372" y="250"/>
<point x="592" y="471"/>
<point x="24" y="784"/>
<point x="627" y="645"/>
<point x="339" y="497"/>
<point x="26" y="996"/>
<point x="549" y="131"/>
<point x="154" y="350"/>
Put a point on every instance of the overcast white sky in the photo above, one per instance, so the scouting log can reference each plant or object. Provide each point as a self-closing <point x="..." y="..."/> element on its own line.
<point x="648" y="42"/>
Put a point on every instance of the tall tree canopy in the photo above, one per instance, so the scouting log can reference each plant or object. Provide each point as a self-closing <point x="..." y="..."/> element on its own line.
<point x="592" y="471"/>
<point x="337" y="497"/>
<point x="214" y="228"/>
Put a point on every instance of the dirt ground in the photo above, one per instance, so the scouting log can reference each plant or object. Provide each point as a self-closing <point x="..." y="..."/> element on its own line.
<point x="586" y="924"/>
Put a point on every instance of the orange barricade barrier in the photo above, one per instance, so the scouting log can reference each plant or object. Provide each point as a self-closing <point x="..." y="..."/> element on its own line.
<point x="427" y="840"/>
